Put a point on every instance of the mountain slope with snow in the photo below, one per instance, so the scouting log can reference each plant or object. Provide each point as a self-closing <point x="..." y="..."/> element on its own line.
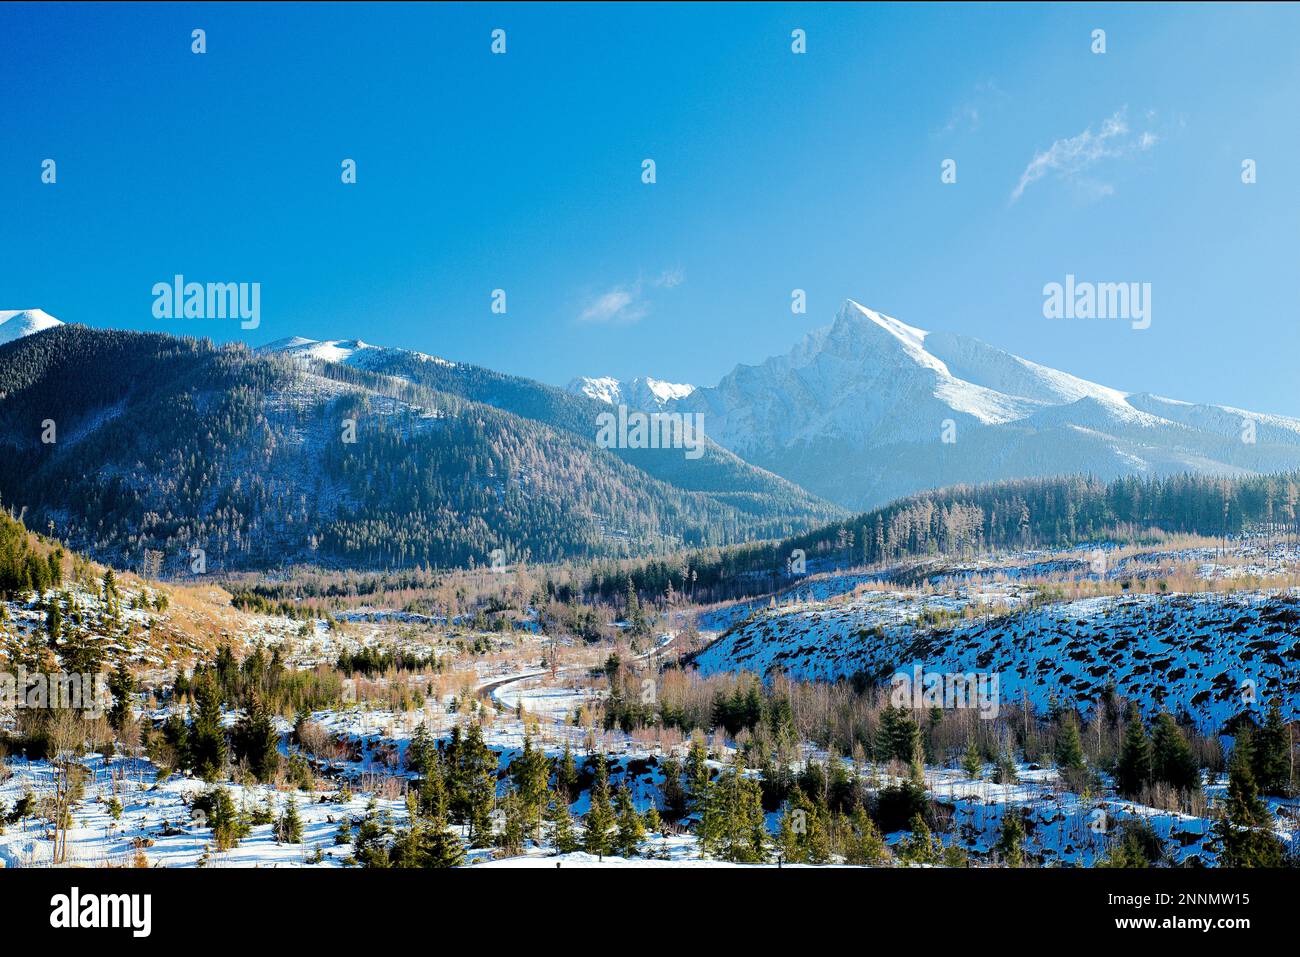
<point x="642" y="392"/>
<point x="269" y="460"/>
<point x="1188" y="654"/>
<point x="16" y="323"/>
<point x="869" y="409"/>
<point x="763" y="503"/>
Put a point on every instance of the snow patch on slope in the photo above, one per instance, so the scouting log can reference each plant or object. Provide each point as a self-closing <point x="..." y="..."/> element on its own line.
<point x="643" y="392"/>
<point x="352" y="352"/>
<point x="16" y="323"/>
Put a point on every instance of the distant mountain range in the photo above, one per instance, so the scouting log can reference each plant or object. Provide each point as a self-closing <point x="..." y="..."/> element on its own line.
<point x="642" y="392"/>
<point x="172" y="444"/>
<point x="344" y="455"/>
<point x="858" y="413"/>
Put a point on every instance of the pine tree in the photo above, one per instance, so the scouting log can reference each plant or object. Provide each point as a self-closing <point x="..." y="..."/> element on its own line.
<point x="121" y="684"/>
<point x="255" y="739"/>
<point x="53" y="620"/>
<point x="1011" y="838"/>
<point x="481" y="786"/>
<point x="1271" y="757"/>
<point x="369" y="847"/>
<point x="672" y="792"/>
<point x="1133" y="771"/>
<point x="630" y="834"/>
<point x="819" y="834"/>
<point x="733" y="826"/>
<point x="651" y="819"/>
<point x="441" y="846"/>
<point x="972" y="762"/>
<point x="530" y="773"/>
<point x="420" y="752"/>
<point x="1069" y="749"/>
<point x="697" y="775"/>
<point x="1244" y="827"/>
<point x="224" y="820"/>
<point x="207" y="739"/>
<point x="793" y="823"/>
<point x="511" y="840"/>
<point x="600" y="816"/>
<point x="1138" y="845"/>
<point x="561" y="826"/>
<point x="916" y="766"/>
<point x="566" y="775"/>
<point x="921" y="847"/>
<point x="288" y="830"/>
<point x="864" y="845"/>
<point x="1171" y="756"/>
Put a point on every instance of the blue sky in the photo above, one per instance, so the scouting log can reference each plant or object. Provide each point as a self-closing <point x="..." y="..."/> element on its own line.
<point x="775" y="171"/>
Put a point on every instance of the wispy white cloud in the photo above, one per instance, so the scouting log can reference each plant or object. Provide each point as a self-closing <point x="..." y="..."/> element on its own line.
<point x="1071" y="157"/>
<point x="628" y="303"/>
<point x="619" y="304"/>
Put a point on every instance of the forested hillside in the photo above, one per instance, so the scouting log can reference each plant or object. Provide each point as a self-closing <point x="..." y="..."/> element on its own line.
<point x="719" y="473"/>
<point x="971" y="519"/>
<point x="127" y="442"/>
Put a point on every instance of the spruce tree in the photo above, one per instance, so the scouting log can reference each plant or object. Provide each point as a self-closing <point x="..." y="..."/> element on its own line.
<point x="1244" y="827"/>
<point x="288" y="830"/>
<point x="1133" y="771"/>
<point x="1271" y="757"/>
<point x="224" y="820"/>
<point x="566" y="774"/>
<point x="1171" y="756"/>
<point x="1011" y="837"/>
<point x="900" y="735"/>
<point x="1069" y="748"/>
<point x="864" y="845"/>
<point x="442" y="847"/>
<point x="672" y="792"/>
<point x="972" y="763"/>
<point x="530" y="773"/>
<point x="255" y="739"/>
<point x="481" y="786"/>
<point x="408" y="848"/>
<point x="697" y="775"/>
<point x="630" y="834"/>
<point x="794" y="823"/>
<point x="511" y="840"/>
<point x="53" y="620"/>
<point x="562" y="836"/>
<point x="600" y="816"/>
<point x="733" y="824"/>
<point x="121" y="684"/>
<point x="921" y="847"/>
<point x="207" y="739"/>
<point x="419" y="753"/>
<point x="370" y="846"/>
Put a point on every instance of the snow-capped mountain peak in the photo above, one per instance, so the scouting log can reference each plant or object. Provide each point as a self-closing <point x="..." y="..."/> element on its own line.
<point x="353" y="352"/>
<point x="16" y="323"/>
<point x="328" y="350"/>
<point x="870" y="408"/>
<point x="643" y="392"/>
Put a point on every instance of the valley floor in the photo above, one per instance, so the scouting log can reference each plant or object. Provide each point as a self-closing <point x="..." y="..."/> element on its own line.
<point x="1184" y="652"/>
